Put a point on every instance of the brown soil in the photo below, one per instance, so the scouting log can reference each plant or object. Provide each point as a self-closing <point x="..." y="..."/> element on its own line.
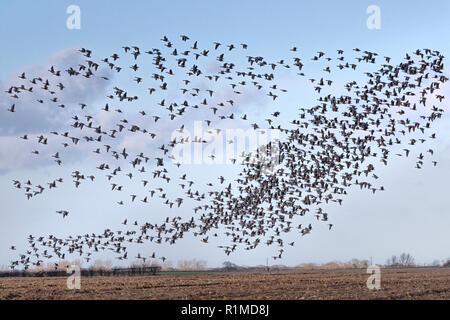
<point x="342" y="284"/>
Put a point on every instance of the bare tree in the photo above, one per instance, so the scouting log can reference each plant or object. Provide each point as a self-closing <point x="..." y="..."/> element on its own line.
<point x="101" y="265"/>
<point x="406" y="260"/>
<point x="191" y="264"/>
<point x="200" y="264"/>
<point x="392" y="261"/>
<point x="356" y="263"/>
<point x="166" y="265"/>
<point x="403" y="260"/>
<point x="139" y="264"/>
<point x="229" y="266"/>
<point x="436" y="263"/>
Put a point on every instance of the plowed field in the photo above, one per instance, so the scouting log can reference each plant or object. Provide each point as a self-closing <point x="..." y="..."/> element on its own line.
<point x="343" y="284"/>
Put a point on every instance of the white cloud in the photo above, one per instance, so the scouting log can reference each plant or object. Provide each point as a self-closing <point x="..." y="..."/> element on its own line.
<point x="34" y="117"/>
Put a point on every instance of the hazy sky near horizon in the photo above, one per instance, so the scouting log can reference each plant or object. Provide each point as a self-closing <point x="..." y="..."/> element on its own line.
<point x="412" y="215"/>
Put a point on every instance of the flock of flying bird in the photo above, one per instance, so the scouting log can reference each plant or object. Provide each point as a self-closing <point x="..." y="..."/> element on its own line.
<point x="330" y="146"/>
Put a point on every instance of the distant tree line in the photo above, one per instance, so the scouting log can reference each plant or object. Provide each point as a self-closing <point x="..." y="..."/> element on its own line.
<point x="403" y="260"/>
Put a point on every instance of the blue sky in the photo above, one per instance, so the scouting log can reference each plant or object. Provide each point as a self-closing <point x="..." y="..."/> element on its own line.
<point x="412" y="215"/>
